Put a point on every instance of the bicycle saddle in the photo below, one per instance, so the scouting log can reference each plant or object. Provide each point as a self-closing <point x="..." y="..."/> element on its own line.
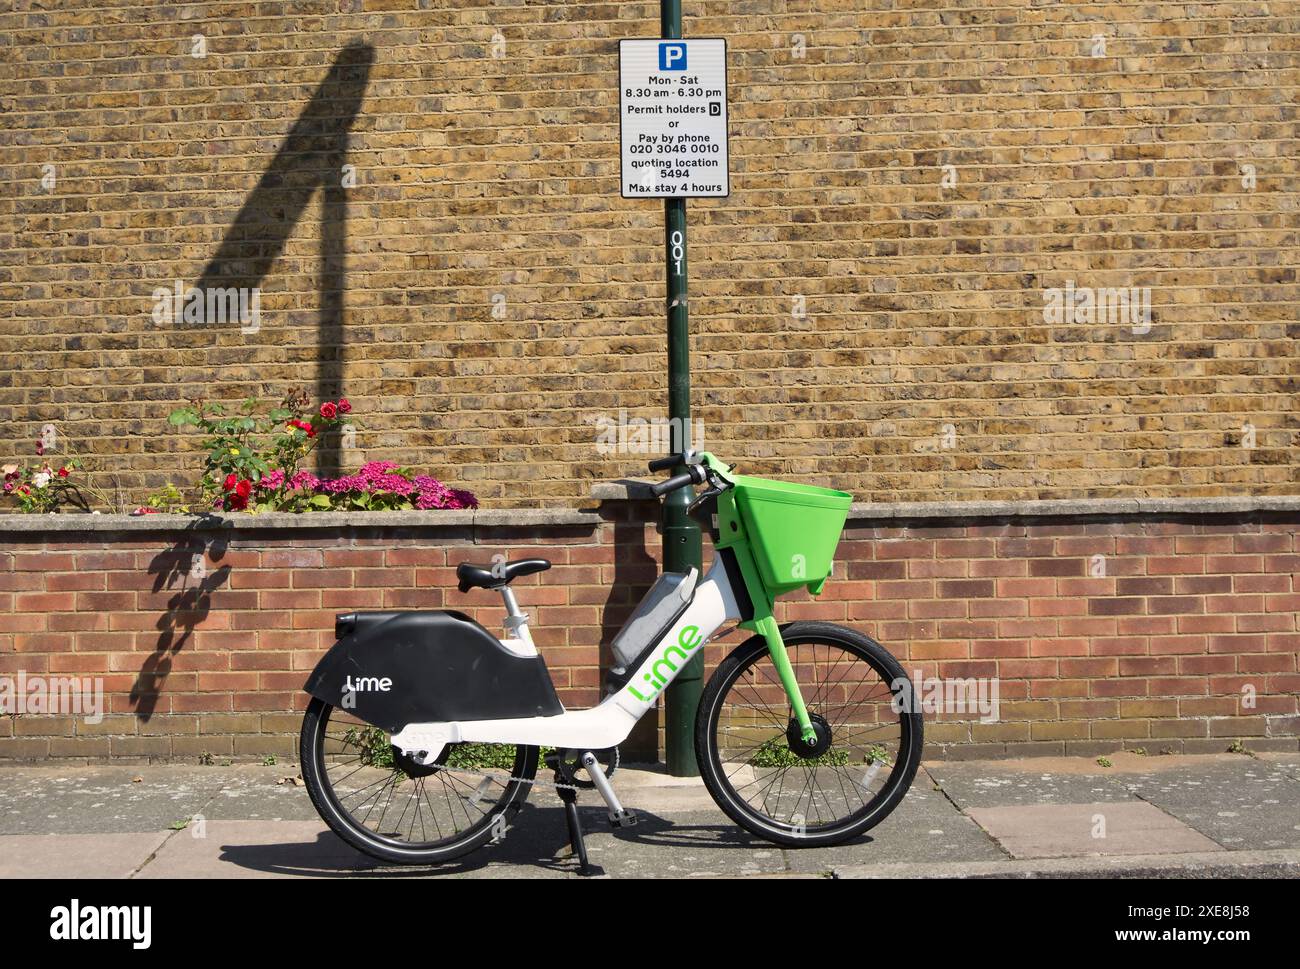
<point x="496" y="577"/>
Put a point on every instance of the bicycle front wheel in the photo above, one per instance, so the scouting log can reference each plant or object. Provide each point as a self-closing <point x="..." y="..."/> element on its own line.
<point x="773" y="783"/>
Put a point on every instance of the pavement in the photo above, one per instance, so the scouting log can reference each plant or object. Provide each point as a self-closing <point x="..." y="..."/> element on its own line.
<point x="1195" y="816"/>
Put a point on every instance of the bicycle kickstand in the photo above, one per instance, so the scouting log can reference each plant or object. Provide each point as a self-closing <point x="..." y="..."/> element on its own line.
<point x="570" y="798"/>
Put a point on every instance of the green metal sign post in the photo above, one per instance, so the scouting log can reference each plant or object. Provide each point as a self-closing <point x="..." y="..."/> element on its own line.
<point x="682" y="546"/>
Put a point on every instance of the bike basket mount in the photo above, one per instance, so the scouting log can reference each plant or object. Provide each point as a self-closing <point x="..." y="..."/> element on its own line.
<point x="793" y="530"/>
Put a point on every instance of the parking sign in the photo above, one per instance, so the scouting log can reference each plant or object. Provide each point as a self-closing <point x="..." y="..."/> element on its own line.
<point x="673" y="118"/>
<point x="672" y="55"/>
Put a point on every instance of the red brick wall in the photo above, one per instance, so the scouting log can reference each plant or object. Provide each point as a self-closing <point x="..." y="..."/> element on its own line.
<point x="1153" y="653"/>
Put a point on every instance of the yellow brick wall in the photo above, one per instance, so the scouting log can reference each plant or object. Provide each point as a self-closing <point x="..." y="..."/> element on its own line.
<point x="862" y="314"/>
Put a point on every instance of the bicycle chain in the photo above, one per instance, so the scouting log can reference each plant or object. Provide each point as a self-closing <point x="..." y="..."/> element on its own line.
<point x="554" y="785"/>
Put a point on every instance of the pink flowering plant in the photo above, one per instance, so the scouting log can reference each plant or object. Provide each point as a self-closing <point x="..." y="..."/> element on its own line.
<point x="255" y="463"/>
<point x="42" y="487"/>
<point x="51" y="485"/>
<point x="378" y="486"/>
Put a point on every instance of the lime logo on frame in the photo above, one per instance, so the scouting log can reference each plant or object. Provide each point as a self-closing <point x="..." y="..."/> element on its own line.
<point x="688" y="640"/>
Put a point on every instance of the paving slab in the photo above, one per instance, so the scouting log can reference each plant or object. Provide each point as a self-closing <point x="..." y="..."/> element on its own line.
<point x="536" y="846"/>
<point x="86" y="800"/>
<point x="977" y="784"/>
<point x="924" y="827"/>
<point x="692" y="844"/>
<point x="261" y="795"/>
<point x="1246" y="804"/>
<point x="1098" y="828"/>
<point x="1289" y="763"/>
<point x="1206" y="865"/>
<point x="76" y="855"/>
<point x="253" y="849"/>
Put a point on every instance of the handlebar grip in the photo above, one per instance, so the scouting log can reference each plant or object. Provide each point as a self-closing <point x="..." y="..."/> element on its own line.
<point x="672" y="484"/>
<point x="663" y="464"/>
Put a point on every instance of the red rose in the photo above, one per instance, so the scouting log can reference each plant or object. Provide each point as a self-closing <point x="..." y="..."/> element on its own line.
<point x="344" y="406"/>
<point x="244" y="488"/>
<point x="238" y="503"/>
<point x="230" y="481"/>
<point x="63" y="472"/>
<point x="328" y="411"/>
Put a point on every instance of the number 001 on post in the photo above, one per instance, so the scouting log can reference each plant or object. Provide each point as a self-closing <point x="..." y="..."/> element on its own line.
<point x="673" y="118"/>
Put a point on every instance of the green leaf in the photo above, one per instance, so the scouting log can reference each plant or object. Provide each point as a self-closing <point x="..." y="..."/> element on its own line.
<point x="320" y="501"/>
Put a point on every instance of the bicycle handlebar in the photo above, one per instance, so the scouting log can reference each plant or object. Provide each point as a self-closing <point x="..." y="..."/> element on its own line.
<point x="672" y="484"/>
<point x="663" y="464"/>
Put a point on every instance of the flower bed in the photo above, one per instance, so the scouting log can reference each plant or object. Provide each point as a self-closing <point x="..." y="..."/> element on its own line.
<point x="378" y="486"/>
<point x="255" y="463"/>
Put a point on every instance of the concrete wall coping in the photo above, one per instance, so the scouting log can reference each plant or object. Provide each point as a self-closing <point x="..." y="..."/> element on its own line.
<point x="225" y="521"/>
<point x="633" y="490"/>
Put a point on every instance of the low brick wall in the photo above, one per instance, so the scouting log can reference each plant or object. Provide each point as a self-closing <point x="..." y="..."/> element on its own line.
<point x="1107" y="624"/>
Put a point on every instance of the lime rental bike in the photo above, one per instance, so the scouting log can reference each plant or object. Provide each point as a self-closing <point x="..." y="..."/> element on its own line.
<point x="425" y="732"/>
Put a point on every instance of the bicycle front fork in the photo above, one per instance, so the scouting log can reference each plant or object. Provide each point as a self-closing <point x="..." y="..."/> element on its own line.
<point x="781" y="660"/>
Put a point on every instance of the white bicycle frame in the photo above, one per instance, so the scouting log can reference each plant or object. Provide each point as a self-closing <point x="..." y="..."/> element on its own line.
<point x="608" y="724"/>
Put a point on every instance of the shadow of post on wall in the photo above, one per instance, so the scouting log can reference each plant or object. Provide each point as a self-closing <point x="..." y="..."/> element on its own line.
<point x="312" y="157"/>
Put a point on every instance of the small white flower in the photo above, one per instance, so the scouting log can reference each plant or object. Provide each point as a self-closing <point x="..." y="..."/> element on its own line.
<point x="40" y="479"/>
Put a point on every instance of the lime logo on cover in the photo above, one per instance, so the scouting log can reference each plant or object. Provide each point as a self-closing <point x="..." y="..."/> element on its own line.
<point x="688" y="640"/>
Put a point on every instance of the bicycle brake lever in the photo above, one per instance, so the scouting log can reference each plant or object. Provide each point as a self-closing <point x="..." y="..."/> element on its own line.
<point x="703" y="496"/>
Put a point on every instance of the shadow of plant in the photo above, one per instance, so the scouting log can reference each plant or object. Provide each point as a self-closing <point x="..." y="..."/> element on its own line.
<point x="184" y="567"/>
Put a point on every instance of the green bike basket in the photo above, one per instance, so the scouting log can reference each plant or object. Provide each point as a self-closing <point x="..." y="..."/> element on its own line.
<point x="793" y="530"/>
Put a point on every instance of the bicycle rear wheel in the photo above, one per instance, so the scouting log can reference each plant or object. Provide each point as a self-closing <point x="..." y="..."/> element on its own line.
<point x="767" y="779"/>
<point x="397" y="810"/>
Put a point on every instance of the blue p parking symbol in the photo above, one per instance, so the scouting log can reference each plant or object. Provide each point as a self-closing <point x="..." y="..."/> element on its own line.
<point x="672" y="57"/>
